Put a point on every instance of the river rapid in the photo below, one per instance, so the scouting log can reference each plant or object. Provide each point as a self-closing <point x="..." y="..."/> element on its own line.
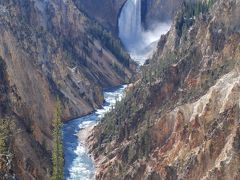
<point x="78" y="163"/>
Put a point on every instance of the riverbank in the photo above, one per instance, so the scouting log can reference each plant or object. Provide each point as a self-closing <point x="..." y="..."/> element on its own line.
<point x="98" y="162"/>
<point x="85" y="133"/>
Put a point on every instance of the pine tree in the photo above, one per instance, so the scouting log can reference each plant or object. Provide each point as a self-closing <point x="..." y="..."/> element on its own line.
<point x="3" y="136"/>
<point x="210" y="3"/>
<point x="57" y="153"/>
<point x="6" y="157"/>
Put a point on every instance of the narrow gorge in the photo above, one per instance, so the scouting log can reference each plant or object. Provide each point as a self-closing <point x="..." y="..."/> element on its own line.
<point x="78" y="163"/>
<point x="50" y="50"/>
<point x="119" y="89"/>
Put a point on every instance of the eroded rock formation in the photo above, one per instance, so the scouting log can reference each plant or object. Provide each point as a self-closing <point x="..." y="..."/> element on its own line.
<point x="180" y="120"/>
<point x="49" y="49"/>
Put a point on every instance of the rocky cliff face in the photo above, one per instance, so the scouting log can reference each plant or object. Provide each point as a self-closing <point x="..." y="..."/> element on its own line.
<point x="154" y="11"/>
<point x="107" y="11"/>
<point x="104" y="11"/>
<point x="180" y="120"/>
<point x="49" y="49"/>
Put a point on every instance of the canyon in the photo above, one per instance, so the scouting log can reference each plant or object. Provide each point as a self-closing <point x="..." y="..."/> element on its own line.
<point x="180" y="118"/>
<point x="50" y="49"/>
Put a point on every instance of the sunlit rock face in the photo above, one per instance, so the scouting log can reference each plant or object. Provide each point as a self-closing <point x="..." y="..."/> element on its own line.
<point x="181" y="118"/>
<point x="50" y="50"/>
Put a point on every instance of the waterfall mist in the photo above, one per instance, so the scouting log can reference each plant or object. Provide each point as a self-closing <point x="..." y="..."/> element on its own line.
<point x="139" y="42"/>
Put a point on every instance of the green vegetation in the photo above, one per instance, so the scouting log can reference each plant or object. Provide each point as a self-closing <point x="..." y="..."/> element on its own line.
<point x="4" y="88"/>
<point x="196" y="8"/>
<point x="210" y="3"/>
<point x="190" y="11"/>
<point x="108" y="41"/>
<point x="156" y="69"/>
<point x="6" y="156"/>
<point x="5" y="126"/>
<point x="57" y="153"/>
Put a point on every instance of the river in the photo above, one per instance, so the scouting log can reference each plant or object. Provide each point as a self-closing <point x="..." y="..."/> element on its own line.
<point x="78" y="164"/>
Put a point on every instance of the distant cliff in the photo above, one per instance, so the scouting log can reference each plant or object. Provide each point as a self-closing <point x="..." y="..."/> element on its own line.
<point x="107" y="11"/>
<point x="49" y="49"/>
<point x="180" y="119"/>
<point x="159" y="10"/>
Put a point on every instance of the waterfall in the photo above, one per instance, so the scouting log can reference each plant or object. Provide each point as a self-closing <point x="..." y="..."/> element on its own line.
<point x="129" y="24"/>
<point x="139" y="42"/>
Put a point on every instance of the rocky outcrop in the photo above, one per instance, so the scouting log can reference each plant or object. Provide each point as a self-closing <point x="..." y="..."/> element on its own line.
<point x="154" y="11"/>
<point x="105" y="12"/>
<point x="49" y="49"/>
<point x="180" y="120"/>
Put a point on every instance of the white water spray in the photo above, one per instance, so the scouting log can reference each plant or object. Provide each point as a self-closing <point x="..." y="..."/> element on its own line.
<point x="130" y="28"/>
<point x="138" y="42"/>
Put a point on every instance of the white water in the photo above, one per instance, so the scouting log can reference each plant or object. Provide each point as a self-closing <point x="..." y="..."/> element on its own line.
<point x="139" y="42"/>
<point x="130" y="28"/>
<point x="78" y="164"/>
